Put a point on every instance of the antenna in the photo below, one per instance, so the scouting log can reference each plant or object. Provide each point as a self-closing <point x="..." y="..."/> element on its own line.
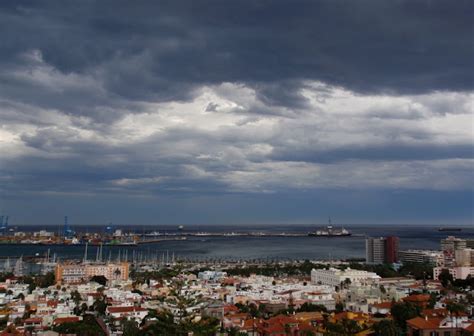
<point x="101" y="250"/>
<point x="85" y="253"/>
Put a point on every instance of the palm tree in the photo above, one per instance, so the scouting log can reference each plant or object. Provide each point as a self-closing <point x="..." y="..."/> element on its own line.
<point x="232" y="331"/>
<point x="385" y="328"/>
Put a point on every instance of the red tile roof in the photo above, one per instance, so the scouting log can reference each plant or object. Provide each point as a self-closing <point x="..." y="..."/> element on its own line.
<point x="127" y="309"/>
<point x="383" y="305"/>
<point x="417" y="298"/>
<point x="230" y="309"/>
<point x="421" y="323"/>
<point x="70" y="319"/>
<point x="470" y="328"/>
<point x="34" y="320"/>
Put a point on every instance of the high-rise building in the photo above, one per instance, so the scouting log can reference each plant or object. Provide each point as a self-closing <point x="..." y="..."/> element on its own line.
<point x="449" y="247"/>
<point x="375" y="250"/>
<point x="381" y="250"/>
<point x="464" y="257"/>
<point x="391" y="249"/>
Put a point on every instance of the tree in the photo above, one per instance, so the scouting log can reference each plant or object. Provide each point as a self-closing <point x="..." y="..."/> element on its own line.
<point x="204" y="327"/>
<point x="345" y="327"/>
<point x="83" y="308"/>
<point x="433" y="300"/>
<point x="117" y="273"/>
<point x="232" y="331"/>
<point x="446" y="278"/>
<point x="100" y="279"/>
<point x="455" y="308"/>
<point x="130" y="328"/>
<point x="164" y="324"/>
<point x="385" y="328"/>
<point x="76" y="297"/>
<point x="99" y="306"/>
<point x="402" y="312"/>
<point x="347" y="282"/>
<point x="310" y="307"/>
<point x="87" y="327"/>
<point x="46" y="280"/>
<point x="307" y="333"/>
<point x="420" y="271"/>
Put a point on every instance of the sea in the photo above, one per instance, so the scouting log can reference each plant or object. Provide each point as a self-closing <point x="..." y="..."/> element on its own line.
<point x="240" y="248"/>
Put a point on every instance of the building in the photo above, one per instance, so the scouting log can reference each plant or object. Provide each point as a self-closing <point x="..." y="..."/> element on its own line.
<point x="375" y="250"/>
<point x="434" y="258"/>
<point x="334" y="276"/>
<point x="392" y="244"/>
<point x="127" y="312"/>
<point x="382" y="250"/>
<point x="76" y="273"/>
<point x="457" y="272"/>
<point x="464" y="257"/>
<point x="212" y="275"/>
<point x="469" y="242"/>
<point x="442" y="326"/>
<point x="449" y="247"/>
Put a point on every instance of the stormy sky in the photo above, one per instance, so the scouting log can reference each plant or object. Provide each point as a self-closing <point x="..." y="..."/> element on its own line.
<point x="226" y="112"/>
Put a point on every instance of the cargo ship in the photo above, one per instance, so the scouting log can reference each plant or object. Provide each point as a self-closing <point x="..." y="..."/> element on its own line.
<point x="330" y="231"/>
<point x="449" y="229"/>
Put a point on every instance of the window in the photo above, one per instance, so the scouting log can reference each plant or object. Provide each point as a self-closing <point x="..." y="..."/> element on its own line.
<point x="447" y="333"/>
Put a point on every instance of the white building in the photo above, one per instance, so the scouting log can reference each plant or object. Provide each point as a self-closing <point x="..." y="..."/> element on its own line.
<point x="457" y="272"/>
<point x="334" y="276"/>
<point x="212" y="275"/>
<point x="449" y="246"/>
<point x="435" y="258"/>
<point x="127" y="312"/>
<point x="43" y="233"/>
<point x="464" y="257"/>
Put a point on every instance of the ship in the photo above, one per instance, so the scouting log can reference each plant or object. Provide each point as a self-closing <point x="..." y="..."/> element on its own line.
<point x="449" y="229"/>
<point x="330" y="231"/>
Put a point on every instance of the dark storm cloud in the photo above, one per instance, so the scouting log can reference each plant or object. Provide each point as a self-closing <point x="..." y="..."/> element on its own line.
<point x="164" y="50"/>
<point x="198" y="98"/>
<point x="387" y="152"/>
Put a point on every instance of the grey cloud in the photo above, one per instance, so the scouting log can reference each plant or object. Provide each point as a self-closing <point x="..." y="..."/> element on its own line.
<point x="72" y="77"/>
<point x="370" y="152"/>
<point x="163" y="51"/>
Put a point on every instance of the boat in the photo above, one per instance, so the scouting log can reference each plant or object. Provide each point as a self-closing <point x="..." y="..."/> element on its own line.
<point x="449" y="229"/>
<point x="330" y="231"/>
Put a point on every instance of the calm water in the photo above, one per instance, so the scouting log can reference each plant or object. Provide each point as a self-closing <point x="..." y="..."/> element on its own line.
<point x="420" y="237"/>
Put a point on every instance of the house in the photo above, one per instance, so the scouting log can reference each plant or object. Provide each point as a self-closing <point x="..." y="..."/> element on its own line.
<point x="70" y="319"/>
<point x="127" y="312"/>
<point x="280" y="325"/>
<point x="421" y="300"/>
<point x="429" y="326"/>
<point x="381" y="308"/>
<point x="33" y="322"/>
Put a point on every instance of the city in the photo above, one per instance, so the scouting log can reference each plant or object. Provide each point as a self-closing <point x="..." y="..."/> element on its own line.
<point x="237" y="168"/>
<point x="420" y="292"/>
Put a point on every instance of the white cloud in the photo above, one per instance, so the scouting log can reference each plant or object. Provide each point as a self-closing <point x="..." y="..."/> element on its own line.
<point x="243" y="145"/>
